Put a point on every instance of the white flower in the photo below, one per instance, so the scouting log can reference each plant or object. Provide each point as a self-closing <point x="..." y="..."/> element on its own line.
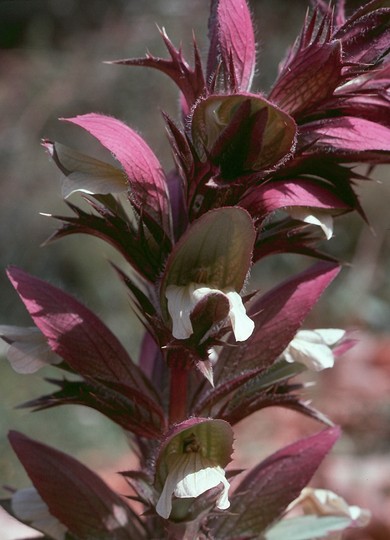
<point x="324" y="502"/>
<point x="191" y="474"/>
<point x="28" y="349"/>
<point x="314" y="216"/>
<point x="313" y="348"/>
<point x="183" y="299"/>
<point x="325" y="515"/>
<point x="28" y="506"/>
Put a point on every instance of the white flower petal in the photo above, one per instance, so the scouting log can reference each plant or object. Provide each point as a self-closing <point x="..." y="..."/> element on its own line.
<point x="179" y="308"/>
<point x="312" y="355"/>
<point x="183" y="299"/>
<point x="85" y="173"/>
<point x="117" y="519"/>
<point x="164" y="504"/>
<point x="190" y="475"/>
<point x="312" y="348"/>
<point x="206" y="369"/>
<point x="324" y="502"/>
<point x="242" y="325"/>
<point x="203" y="477"/>
<point x="213" y="353"/>
<point x="330" y="336"/>
<point x="314" y="216"/>
<point x="28" y="349"/>
<point x="28" y="506"/>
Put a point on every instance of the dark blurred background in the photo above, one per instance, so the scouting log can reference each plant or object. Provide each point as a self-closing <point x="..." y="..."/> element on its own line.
<point x="51" y="66"/>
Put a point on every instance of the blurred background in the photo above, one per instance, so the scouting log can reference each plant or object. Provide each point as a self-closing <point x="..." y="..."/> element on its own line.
<point x="51" y="66"/>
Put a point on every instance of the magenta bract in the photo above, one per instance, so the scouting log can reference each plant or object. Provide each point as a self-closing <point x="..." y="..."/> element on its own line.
<point x="146" y="179"/>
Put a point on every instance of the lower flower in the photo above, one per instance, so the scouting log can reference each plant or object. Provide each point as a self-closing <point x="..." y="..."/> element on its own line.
<point x="192" y="461"/>
<point x="190" y="475"/>
<point x="324" y="502"/>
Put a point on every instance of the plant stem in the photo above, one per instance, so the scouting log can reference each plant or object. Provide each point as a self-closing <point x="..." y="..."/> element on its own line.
<point x="178" y="393"/>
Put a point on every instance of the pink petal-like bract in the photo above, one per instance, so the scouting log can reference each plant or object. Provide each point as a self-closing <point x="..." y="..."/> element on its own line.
<point x="348" y="136"/>
<point x="148" y="189"/>
<point x="285" y="193"/>
<point x="232" y="38"/>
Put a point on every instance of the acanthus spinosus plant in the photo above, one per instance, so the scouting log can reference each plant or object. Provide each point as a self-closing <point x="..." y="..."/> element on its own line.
<point x="254" y="175"/>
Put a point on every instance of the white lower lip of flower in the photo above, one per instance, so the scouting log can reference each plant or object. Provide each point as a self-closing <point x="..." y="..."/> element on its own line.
<point x="180" y="305"/>
<point x="28" y="350"/>
<point x="321" y="218"/>
<point x="183" y="299"/>
<point x="324" y="502"/>
<point x="190" y="475"/>
<point x="242" y="325"/>
<point x="312" y="348"/>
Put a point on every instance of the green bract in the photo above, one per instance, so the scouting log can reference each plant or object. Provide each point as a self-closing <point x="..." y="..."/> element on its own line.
<point x="215" y="250"/>
<point x="214" y="437"/>
<point x="257" y="132"/>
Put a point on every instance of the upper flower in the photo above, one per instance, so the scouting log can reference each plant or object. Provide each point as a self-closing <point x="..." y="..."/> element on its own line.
<point x="205" y="274"/>
<point x="183" y="299"/>
<point x="290" y="149"/>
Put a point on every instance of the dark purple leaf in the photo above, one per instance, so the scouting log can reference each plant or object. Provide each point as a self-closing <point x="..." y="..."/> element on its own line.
<point x="75" y="333"/>
<point x="271" y="486"/>
<point x="76" y="496"/>
<point x="111" y="400"/>
<point x="316" y="31"/>
<point x="82" y="340"/>
<point x="179" y="209"/>
<point x="365" y="96"/>
<point x="365" y="36"/>
<point x="247" y="400"/>
<point x="339" y="178"/>
<point x="278" y="315"/>
<point x="289" y="236"/>
<point x="142" y="484"/>
<point x="119" y="232"/>
<point x="190" y="81"/>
